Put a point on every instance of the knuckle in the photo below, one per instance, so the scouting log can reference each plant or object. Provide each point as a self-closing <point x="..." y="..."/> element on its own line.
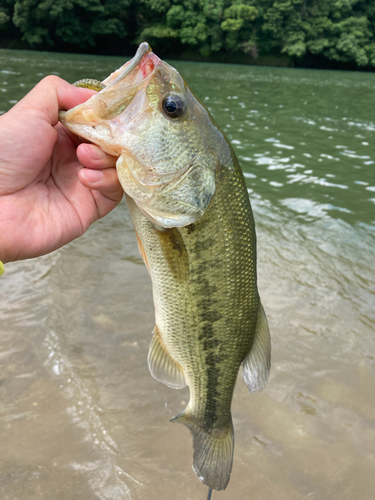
<point x="51" y="80"/>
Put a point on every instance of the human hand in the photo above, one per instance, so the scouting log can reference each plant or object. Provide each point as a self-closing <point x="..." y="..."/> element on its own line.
<point x="47" y="198"/>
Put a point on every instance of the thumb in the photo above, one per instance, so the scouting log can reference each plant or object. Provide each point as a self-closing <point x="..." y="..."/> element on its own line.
<point x="51" y="95"/>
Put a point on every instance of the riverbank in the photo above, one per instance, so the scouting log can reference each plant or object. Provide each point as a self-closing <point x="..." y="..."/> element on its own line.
<point x="274" y="60"/>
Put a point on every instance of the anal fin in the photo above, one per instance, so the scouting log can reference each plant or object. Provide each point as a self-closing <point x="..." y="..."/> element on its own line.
<point x="162" y="366"/>
<point x="257" y="365"/>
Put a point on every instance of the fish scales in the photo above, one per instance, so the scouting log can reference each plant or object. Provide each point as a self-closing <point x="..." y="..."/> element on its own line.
<point x="206" y="319"/>
<point x="195" y="230"/>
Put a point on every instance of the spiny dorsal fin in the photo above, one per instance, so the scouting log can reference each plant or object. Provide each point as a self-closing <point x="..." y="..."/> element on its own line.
<point x="256" y="366"/>
<point x="213" y="451"/>
<point x="162" y="366"/>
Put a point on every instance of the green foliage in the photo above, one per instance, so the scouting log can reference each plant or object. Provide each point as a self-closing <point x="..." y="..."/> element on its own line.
<point x="4" y="17"/>
<point x="337" y="30"/>
<point x="208" y="25"/>
<point x="340" y="30"/>
<point x="159" y="31"/>
<point x="238" y="23"/>
<point x="193" y="22"/>
<point x="6" y="12"/>
<point x="78" y="22"/>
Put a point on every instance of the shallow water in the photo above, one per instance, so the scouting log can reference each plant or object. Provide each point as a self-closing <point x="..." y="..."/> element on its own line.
<point x="80" y="415"/>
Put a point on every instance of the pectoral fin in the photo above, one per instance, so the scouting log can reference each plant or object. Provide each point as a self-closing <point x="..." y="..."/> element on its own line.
<point x="142" y="251"/>
<point x="162" y="366"/>
<point x="256" y="366"/>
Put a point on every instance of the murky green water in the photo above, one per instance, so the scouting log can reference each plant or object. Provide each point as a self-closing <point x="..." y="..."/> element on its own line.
<point x="80" y="415"/>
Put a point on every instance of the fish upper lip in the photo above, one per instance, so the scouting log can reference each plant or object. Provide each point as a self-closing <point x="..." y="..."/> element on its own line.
<point x="142" y="50"/>
<point x="138" y="64"/>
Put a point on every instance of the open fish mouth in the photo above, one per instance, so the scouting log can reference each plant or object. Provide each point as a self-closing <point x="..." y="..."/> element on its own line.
<point x="122" y="85"/>
<point x="119" y="90"/>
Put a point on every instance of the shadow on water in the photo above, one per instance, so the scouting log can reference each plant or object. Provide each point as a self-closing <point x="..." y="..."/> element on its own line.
<point x="80" y="415"/>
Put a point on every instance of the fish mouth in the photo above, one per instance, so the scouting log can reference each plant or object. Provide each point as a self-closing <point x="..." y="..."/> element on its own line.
<point x="120" y="88"/>
<point x="122" y="73"/>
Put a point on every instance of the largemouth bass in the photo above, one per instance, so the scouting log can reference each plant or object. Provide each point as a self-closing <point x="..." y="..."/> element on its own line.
<point x="195" y="229"/>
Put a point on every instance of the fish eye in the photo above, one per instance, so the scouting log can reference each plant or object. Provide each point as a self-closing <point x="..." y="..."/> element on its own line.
<point x="173" y="106"/>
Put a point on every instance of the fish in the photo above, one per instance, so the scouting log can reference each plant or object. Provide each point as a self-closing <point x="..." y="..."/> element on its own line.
<point x="195" y="230"/>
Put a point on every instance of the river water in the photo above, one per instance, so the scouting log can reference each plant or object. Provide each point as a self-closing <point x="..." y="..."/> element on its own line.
<point x="80" y="415"/>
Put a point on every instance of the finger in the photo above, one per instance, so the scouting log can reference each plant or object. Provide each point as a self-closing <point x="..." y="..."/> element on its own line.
<point x="91" y="156"/>
<point x="105" y="181"/>
<point x="51" y="95"/>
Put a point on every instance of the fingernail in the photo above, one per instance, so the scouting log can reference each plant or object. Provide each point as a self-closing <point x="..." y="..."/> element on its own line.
<point x="91" y="175"/>
<point x="96" y="153"/>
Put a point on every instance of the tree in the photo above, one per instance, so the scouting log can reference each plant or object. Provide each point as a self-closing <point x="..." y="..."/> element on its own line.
<point x="208" y="25"/>
<point x="7" y="28"/>
<point x="78" y="22"/>
<point x="341" y="30"/>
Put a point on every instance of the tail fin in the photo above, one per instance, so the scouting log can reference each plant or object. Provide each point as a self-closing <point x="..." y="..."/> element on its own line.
<point x="213" y="452"/>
